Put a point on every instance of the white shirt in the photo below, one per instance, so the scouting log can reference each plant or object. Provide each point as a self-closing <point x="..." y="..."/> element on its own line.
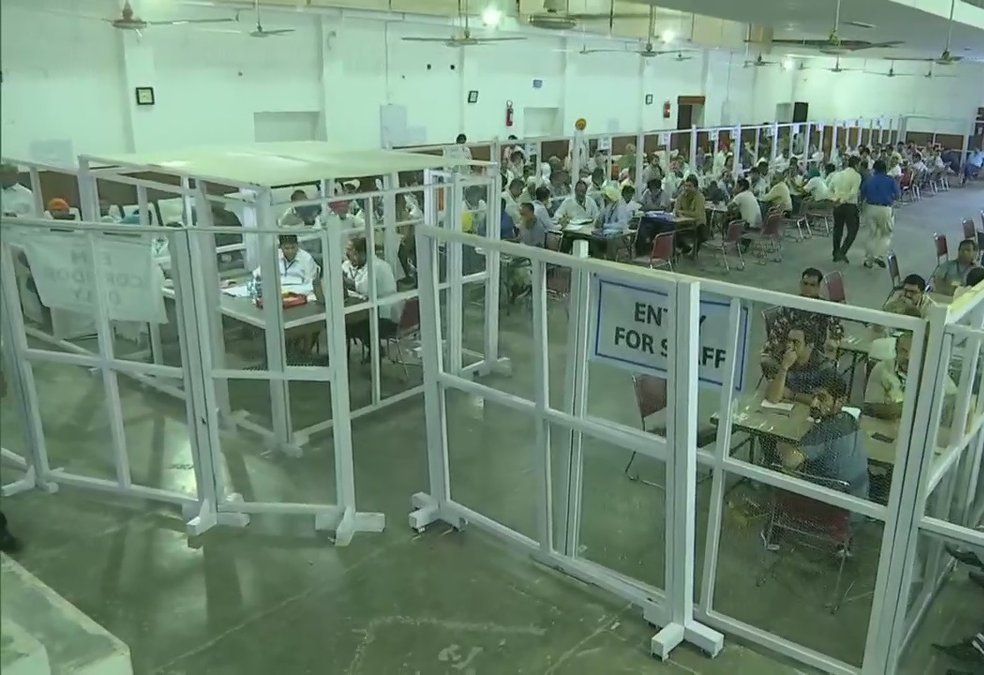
<point x="385" y="285"/>
<point x="817" y="188"/>
<point x="300" y="271"/>
<point x="512" y="206"/>
<point x="749" y="208"/>
<point x="573" y="210"/>
<point x="887" y="385"/>
<point x="895" y="171"/>
<point x="18" y="200"/>
<point x="779" y="196"/>
<point x="845" y="185"/>
<point x="617" y="215"/>
<point x="780" y="164"/>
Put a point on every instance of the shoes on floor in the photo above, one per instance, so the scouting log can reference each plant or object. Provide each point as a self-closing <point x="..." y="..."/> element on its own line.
<point x="9" y="543"/>
<point x="966" y="557"/>
<point x="881" y="262"/>
<point x="868" y="263"/>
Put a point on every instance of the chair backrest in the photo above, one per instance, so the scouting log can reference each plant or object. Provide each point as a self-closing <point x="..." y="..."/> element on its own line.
<point x="969" y="229"/>
<point x="650" y="393"/>
<point x="772" y="224"/>
<point x="662" y="246"/>
<point x="835" y="287"/>
<point x="939" y="240"/>
<point x="552" y="241"/>
<point x="410" y="316"/>
<point x="906" y="179"/>
<point x="736" y="230"/>
<point x="892" y="261"/>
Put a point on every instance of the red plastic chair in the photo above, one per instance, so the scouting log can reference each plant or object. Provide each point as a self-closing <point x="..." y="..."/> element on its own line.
<point x="662" y="253"/>
<point x="835" y="287"/>
<point x="892" y="261"/>
<point x="969" y="229"/>
<point x="770" y="234"/>
<point x="409" y="326"/>
<point x="730" y="242"/>
<point x="942" y="251"/>
<point x="651" y="397"/>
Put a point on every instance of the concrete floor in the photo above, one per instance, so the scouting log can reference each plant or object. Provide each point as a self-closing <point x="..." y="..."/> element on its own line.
<point x="276" y="597"/>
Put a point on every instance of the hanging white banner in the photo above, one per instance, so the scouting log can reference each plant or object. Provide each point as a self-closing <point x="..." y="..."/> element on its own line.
<point x="61" y="265"/>
<point x="631" y="325"/>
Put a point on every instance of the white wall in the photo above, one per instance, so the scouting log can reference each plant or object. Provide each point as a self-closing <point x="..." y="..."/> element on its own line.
<point x="73" y="80"/>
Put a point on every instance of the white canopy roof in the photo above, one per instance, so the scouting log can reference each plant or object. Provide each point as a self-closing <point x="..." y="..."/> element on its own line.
<point x="274" y="164"/>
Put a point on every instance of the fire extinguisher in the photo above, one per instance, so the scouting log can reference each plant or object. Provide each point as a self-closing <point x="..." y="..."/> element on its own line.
<point x="509" y="113"/>
<point x="666" y="110"/>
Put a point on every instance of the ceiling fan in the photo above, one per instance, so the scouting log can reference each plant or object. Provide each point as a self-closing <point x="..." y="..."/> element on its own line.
<point x="891" y="72"/>
<point x="837" y="67"/>
<point x="834" y="45"/>
<point x="647" y="50"/>
<point x="556" y="15"/>
<point x="128" y="20"/>
<point x="931" y="75"/>
<point x="464" y="37"/>
<point x="258" y="32"/>
<point x="946" y="58"/>
<point x="759" y="62"/>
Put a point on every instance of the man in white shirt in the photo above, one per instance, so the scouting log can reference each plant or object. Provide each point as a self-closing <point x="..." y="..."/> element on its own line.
<point x="671" y="184"/>
<point x="781" y="163"/>
<point x="577" y="206"/>
<point x="817" y="187"/>
<point x="296" y="266"/>
<point x="894" y="167"/>
<point x="355" y="276"/>
<point x="16" y="199"/>
<point x="511" y="196"/>
<point x="845" y="186"/>
<point x="747" y="205"/>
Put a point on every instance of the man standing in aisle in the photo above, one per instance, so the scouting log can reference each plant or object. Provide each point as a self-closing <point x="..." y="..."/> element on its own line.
<point x="879" y="193"/>
<point x="845" y="186"/>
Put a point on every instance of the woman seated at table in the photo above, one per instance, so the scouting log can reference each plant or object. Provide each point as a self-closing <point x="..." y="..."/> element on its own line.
<point x="803" y="367"/>
<point x="834" y="448"/>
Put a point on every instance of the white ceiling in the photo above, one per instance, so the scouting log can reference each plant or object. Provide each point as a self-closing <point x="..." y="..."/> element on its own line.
<point x="923" y="30"/>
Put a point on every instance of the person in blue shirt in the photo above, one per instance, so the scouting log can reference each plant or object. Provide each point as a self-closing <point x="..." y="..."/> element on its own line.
<point x="834" y="448"/>
<point x="879" y="193"/>
<point x="507" y="228"/>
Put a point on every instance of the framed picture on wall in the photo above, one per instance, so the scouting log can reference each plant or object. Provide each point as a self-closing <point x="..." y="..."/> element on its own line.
<point x="649" y="99"/>
<point x="145" y="96"/>
<point x="473" y="96"/>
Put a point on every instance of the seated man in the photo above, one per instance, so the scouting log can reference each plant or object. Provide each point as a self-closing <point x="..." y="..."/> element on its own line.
<point x="778" y="196"/>
<point x="831" y="330"/>
<point x="746" y="205"/>
<point x="691" y="204"/>
<point x="911" y="298"/>
<point x="652" y="197"/>
<point x="577" y="206"/>
<point x="803" y="367"/>
<point x="297" y="267"/>
<point x="953" y="273"/>
<point x="885" y="392"/>
<point x="531" y="231"/>
<point x="834" y="447"/>
<point x="617" y="213"/>
<point x="355" y="276"/>
<point x="974" y="277"/>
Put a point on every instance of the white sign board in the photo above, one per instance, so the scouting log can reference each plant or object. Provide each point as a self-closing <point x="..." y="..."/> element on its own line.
<point x="529" y="149"/>
<point x="61" y="265"/>
<point x="796" y="129"/>
<point x="631" y="327"/>
<point x="664" y="139"/>
<point x="605" y="143"/>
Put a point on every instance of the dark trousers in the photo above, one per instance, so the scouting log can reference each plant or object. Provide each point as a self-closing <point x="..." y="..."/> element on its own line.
<point x="845" y="215"/>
